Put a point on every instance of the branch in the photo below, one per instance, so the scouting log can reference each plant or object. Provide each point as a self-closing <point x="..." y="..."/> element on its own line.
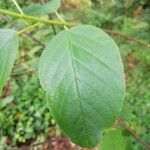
<point x="28" y="29"/>
<point x="35" y="19"/>
<point x="60" y="18"/>
<point x="129" y="38"/>
<point x="16" y="74"/>
<point x="27" y="34"/>
<point x="133" y="133"/>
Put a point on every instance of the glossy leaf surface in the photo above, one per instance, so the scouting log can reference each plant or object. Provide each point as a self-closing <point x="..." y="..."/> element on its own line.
<point x="82" y="72"/>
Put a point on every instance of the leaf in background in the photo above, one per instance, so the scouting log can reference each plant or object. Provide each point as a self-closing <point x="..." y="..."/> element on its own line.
<point x="82" y="73"/>
<point x="5" y="101"/>
<point x="8" y="51"/>
<point x="113" y="140"/>
<point x="126" y="113"/>
<point x="41" y="9"/>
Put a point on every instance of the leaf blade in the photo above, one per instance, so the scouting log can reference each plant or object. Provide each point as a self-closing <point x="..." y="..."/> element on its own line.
<point x="118" y="141"/>
<point x="42" y="9"/>
<point x="82" y="100"/>
<point x="8" y="52"/>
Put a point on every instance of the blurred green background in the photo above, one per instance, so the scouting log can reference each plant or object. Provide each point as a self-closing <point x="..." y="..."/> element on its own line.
<point x="24" y="110"/>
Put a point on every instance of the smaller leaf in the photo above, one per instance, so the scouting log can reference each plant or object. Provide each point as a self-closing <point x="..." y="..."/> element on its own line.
<point x="7" y="100"/>
<point x="126" y="112"/>
<point x="8" y="51"/>
<point x="41" y="9"/>
<point x="113" y="140"/>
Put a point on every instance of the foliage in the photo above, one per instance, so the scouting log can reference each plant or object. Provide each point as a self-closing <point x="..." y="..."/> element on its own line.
<point x="71" y="70"/>
<point x="108" y="72"/>
<point x="8" y="52"/>
<point x="128" y="17"/>
<point x="40" y="9"/>
<point x="26" y="115"/>
<point x="113" y="140"/>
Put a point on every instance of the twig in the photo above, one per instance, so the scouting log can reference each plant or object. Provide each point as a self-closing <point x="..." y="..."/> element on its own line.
<point x="60" y="18"/>
<point x="17" y="5"/>
<point x="54" y="30"/>
<point x="129" y="38"/>
<point x="27" y="34"/>
<point x="35" y="19"/>
<point x="133" y="133"/>
<point x="28" y="29"/>
<point x="22" y="73"/>
<point x="22" y="31"/>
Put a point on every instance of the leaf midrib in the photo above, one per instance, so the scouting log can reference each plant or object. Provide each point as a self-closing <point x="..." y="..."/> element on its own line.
<point x="75" y="78"/>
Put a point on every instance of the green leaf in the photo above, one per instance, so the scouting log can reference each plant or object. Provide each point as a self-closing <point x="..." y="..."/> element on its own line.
<point x="82" y="73"/>
<point x="113" y="140"/>
<point x="8" y="51"/>
<point x="41" y="9"/>
<point x="126" y="113"/>
<point x="5" y="101"/>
